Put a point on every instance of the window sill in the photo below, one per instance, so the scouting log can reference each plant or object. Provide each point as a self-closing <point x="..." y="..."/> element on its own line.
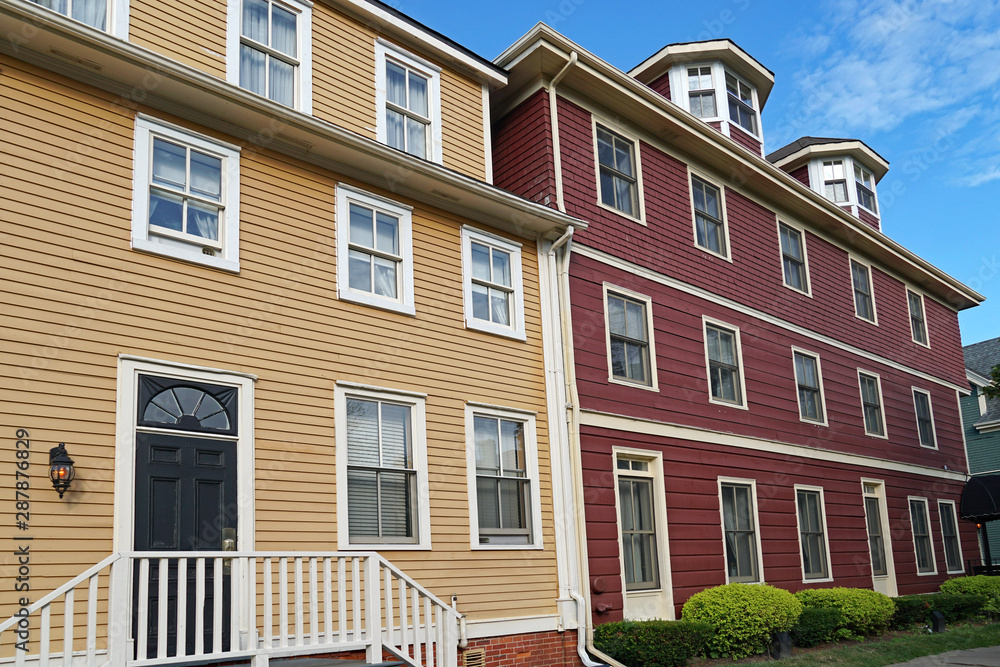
<point x="383" y="547"/>
<point x="877" y="436"/>
<point x="495" y="329"/>
<point x="934" y="448"/>
<point x="713" y="253"/>
<point x="367" y="299"/>
<point x="927" y="574"/>
<point x="803" y="292"/>
<point x="924" y="345"/>
<point x="612" y="209"/>
<point x="507" y="547"/>
<point x="738" y="406"/>
<point x="625" y="383"/>
<point x="824" y="580"/>
<point x="813" y="422"/>
<point x="874" y="322"/>
<point x="192" y="256"/>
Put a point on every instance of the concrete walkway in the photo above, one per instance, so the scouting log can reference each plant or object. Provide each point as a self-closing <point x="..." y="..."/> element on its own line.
<point x="975" y="657"/>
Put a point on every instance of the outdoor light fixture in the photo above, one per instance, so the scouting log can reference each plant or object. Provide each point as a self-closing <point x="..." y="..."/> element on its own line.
<point x="61" y="470"/>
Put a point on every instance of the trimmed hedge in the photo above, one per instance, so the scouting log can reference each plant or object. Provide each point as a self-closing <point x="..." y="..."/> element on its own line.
<point x="978" y="585"/>
<point x="864" y="611"/>
<point x="817" y="625"/>
<point x="745" y="617"/>
<point x="912" y="609"/>
<point x="652" y="643"/>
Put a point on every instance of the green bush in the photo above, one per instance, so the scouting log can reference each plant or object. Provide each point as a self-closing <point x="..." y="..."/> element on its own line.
<point x="652" y="643"/>
<point x="865" y="612"/>
<point x="745" y="617"/>
<point x="978" y="585"/>
<point x="816" y="625"/>
<point x="911" y="609"/>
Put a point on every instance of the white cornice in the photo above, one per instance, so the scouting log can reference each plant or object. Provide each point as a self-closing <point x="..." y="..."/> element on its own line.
<point x="977" y="379"/>
<point x="857" y="149"/>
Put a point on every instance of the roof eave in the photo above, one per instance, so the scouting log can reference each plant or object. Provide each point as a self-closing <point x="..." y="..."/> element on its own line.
<point x="855" y="148"/>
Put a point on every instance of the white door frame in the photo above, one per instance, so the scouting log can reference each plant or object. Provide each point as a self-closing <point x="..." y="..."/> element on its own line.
<point x="889" y="580"/>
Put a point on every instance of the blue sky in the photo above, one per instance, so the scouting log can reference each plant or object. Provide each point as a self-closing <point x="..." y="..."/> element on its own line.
<point x="919" y="82"/>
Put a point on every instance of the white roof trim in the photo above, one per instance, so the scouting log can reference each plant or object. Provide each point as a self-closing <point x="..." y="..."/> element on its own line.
<point x="871" y="158"/>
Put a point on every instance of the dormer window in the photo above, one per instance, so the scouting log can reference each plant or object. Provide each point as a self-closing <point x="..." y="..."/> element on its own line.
<point x="701" y="92"/>
<point x="741" y="107"/>
<point x="866" y="188"/>
<point x="835" y="181"/>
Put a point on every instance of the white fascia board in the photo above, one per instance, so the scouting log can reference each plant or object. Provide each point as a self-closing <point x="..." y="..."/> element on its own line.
<point x="977" y="379"/>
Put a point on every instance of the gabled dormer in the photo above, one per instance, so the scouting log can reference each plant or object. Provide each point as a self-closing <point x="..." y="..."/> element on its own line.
<point x="845" y="171"/>
<point x="716" y="81"/>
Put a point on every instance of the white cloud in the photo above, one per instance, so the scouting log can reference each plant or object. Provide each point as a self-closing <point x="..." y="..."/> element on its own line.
<point x="983" y="178"/>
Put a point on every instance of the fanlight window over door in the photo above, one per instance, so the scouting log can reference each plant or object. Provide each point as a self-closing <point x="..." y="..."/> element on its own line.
<point x="187" y="406"/>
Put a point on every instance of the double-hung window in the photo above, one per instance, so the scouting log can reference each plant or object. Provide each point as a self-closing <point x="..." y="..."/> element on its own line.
<point x="725" y="372"/>
<point x="701" y="92"/>
<point x="617" y="171"/>
<point x="374" y="250"/>
<point x="494" y="294"/>
<point x="949" y="534"/>
<point x="922" y="544"/>
<point x="381" y="467"/>
<point x="793" y="258"/>
<point x="876" y="534"/>
<point x="269" y="50"/>
<point x="741" y="104"/>
<point x="409" y="102"/>
<point x="835" y="181"/>
<point x="861" y="281"/>
<point x="637" y="516"/>
<point x="107" y="15"/>
<point x="739" y="527"/>
<point x="918" y="318"/>
<point x="809" y="384"/>
<point x="871" y="403"/>
<point x="186" y="195"/>
<point x="865" y="183"/>
<point x="925" y="418"/>
<point x="812" y="533"/>
<point x="709" y="220"/>
<point x="630" y="348"/>
<point x="503" y="477"/>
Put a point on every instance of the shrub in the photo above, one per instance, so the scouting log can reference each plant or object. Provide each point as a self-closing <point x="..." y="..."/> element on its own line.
<point x="864" y="612"/>
<point x="652" y="643"/>
<point x="978" y="585"/>
<point x="912" y="609"/>
<point x="816" y="625"/>
<point x="745" y="616"/>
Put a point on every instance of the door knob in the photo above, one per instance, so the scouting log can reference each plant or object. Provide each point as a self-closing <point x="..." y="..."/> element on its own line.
<point x="228" y="544"/>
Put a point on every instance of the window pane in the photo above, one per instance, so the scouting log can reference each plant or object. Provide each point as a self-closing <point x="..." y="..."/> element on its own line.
<point x="255" y="20"/>
<point x="480" y="302"/>
<point x="635" y="316"/>
<point x="166" y="211"/>
<point x="359" y="271"/>
<point x="283" y="31"/>
<point x="618" y="368"/>
<point x="387" y="227"/>
<point x="203" y="221"/>
<point x="386" y="280"/>
<point x="361" y="226"/>
<point x="501" y="267"/>
<point x="395" y="504"/>
<point x="169" y="164"/>
<point x="636" y="359"/>
<point x="416" y="138"/>
<point x="362" y="432"/>
<point x="512" y="514"/>
<point x="605" y="148"/>
<point x="253" y="75"/>
<point x="395" y="81"/>
<point x="616" y="315"/>
<point x="396" y="436"/>
<point x="362" y="502"/>
<point x="480" y="262"/>
<point x="488" y="500"/>
<point x="206" y="175"/>
<point x="92" y="12"/>
<point x="512" y="448"/>
<point x="395" y="133"/>
<point x="500" y="306"/>
<point x="418" y="94"/>
<point x="282" y="88"/>
<point x="487" y="442"/>
<point x="623" y="157"/>
<point x="624" y="196"/>
<point x="607" y="189"/>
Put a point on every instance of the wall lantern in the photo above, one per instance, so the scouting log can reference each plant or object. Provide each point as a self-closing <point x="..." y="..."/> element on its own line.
<point x="61" y="470"/>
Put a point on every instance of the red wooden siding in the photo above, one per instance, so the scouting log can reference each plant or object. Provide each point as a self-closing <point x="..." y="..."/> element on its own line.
<point x="666" y="244"/>
<point x="662" y="85"/>
<point x="683" y="395"/>
<point x="522" y="151"/>
<point x="697" y="561"/>
<point x="801" y="174"/>
<point x="744" y="139"/>
<point x="868" y="218"/>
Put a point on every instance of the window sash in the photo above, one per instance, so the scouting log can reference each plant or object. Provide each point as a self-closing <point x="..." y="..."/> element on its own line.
<point x="741" y="109"/>
<point x="189" y="199"/>
<point x="619" y="189"/>
<point x="811" y="532"/>
<point x="793" y="258"/>
<point x="628" y="334"/>
<point x="90" y="12"/>
<point x="871" y="400"/>
<point x="861" y="281"/>
<point x="918" y="321"/>
<point x="808" y="382"/>
<point x="876" y="543"/>
<point x="949" y="534"/>
<point x="272" y="73"/>
<point x="739" y="527"/>
<point x="920" y="526"/>
<point x="638" y="533"/>
<point x="723" y="364"/>
<point x="503" y="487"/>
<point x="925" y="421"/>
<point x="710" y="231"/>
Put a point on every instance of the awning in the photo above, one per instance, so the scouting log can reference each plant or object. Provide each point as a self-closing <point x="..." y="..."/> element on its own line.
<point x="981" y="498"/>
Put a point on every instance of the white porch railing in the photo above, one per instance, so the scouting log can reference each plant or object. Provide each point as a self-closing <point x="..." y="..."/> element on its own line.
<point x="145" y="608"/>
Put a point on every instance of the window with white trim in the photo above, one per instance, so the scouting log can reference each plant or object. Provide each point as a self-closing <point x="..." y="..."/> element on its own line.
<point x="793" y="258"/>
<point x="739" y="526"/>
<point x="382" y="491"/>
<point x="108" y="15"/>
<point x="709" y="217"/>
<point x="701" y="92"/>
<point x="617" y="171"/>
<point x="269" y="50"/>
<point x="871" y="403"/>
<point x="918" y="318"/>
<point x="186" y="195"/>
<point x="493" y="289"/>
<point x="742" y="110"/>
<point x="637" y="518"/>
<point x="864" y="181"/>
<point x="374" y="250"/>
<point x="809" y="386"/>
<point x="724" y="357"/>
<point x="812" y="533"/>
<point x="503" y="480"/>
<point x="925" y="418"/>
<point x="630" y="347"/>
<point x="835" y="181"/>
<point x="408" y="97"/>
<point x="923" y="546"/>
<point x="949" y="535"/>
<point x="864" y="300"/>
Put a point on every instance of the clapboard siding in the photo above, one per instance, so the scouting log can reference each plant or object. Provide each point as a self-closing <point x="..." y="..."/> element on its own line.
<point x="77" y="297"/>
<point x="666" y="244"/>
<point x="522" y="151"/>
<point x="191" y="32"/>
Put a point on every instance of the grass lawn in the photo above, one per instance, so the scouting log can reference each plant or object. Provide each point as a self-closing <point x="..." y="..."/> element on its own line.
<point x="888" y="650"/>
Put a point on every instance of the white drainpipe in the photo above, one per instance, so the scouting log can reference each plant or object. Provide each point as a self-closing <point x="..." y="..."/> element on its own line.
<point x="554" y="122"/>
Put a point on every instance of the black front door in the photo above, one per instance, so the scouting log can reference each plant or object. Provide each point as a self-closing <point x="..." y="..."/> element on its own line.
<point x="185" y="498"/>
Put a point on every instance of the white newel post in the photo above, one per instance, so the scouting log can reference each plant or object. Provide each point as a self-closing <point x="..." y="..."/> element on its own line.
<point x="373" y="609"/>
<point x="119" y="612"/>
<point x="450" y="648"/>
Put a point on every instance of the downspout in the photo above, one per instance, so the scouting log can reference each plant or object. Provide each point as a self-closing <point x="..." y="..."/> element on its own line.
<point x="554" y="123"/>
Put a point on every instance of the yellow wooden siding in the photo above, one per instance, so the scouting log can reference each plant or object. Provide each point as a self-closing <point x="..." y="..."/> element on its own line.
<point x="462" y="124"/>
<point x="191" y="31"/>
<point x="76" y="296"/>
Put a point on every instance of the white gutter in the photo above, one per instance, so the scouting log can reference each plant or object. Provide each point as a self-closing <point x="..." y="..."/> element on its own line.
<point x="554" y="122"/>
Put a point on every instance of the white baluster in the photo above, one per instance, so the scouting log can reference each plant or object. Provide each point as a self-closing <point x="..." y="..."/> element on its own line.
<point x="181" y="623"/>
<point x="300" y="639"/>
<point x="356" y="597"/>
<point x="342" y="598"/>
<point x="142" y="632"/>
<point x="217" y="606"/>
<point x="313" y="604"/>
<point x="373" y="609"/>
<point x="161" y="609"/>
<point x="268" y="620"/>
<point x="235" y="577"/>
<point x="404" y="628"/>
<point x="44" y="637"/>
<point x="428" y="630"/>
<point x="283" y="601"/>
<point x="327" y="600"/>
<point x="92" y="622"/>
<point x="439" y="642"/>
<point x="199" y="606"/>
<point x="389" y="620"/>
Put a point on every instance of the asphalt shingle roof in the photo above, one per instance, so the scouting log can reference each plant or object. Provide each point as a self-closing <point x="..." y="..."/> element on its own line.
<point x="981" y="358"/>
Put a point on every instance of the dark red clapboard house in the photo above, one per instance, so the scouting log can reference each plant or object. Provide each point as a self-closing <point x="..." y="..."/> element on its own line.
<point x="767" y="385"/>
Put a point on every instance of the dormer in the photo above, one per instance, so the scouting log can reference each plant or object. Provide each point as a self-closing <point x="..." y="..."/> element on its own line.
<point x="845" y="171"/>
<point x="716" y="81"/>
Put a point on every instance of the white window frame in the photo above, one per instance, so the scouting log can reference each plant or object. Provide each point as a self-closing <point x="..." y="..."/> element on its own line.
<point x="705" y="323"/>
<point x="692" y="174"/>
<point x="227" y="249"/>
<point x="115" y="22"/>
<point x="826" y="533"/>
<point x="881" y="401"/>
<point x="346" y="195"/>
<point x="655" y="602"/>
<point x="417" y="403"/>
<point x="516" y="328"/>
<point x="807" y="287"/>
<point x="852" y="260"/>
<point x="752" y="483"/>
<point x="685" y="74"/>
<point x="527" y="418"/>
<point x="958" y="536"/>
<point x="650" y="333"/>
<point x="385" y="50"/>
<point x="758" y="134"/>
<point x="819" y="376"/>
<point x="614" y="128"/>
<point x="817" y="177"/>
<point x="824" y="181"/>
<point x="916" y="415"/>
<point x="303" y="35"/>
<point x="923" y="317"/>
<point x="679" y="82"/>
<point x="853" y="176"/>
<point x="930" y="535"/>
